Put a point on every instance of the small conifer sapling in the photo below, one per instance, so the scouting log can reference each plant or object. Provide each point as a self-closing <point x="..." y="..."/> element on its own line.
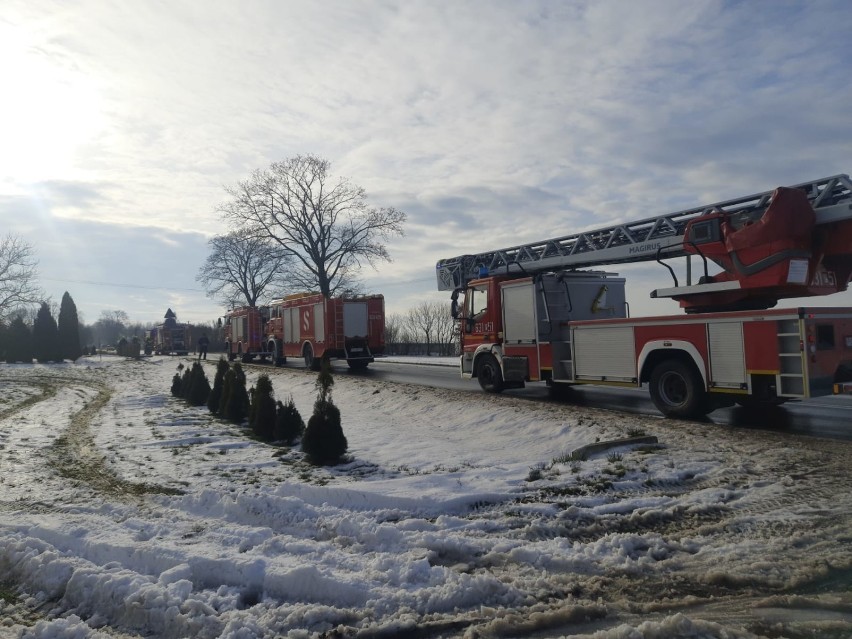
<point x="218" y="381"/>
<point x="289" y="425"/>
<point x="263" y="409"/>
<point x="199" y="386"/>
<point x="324" y="442"/>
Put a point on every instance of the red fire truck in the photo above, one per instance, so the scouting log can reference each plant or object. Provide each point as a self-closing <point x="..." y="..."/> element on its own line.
<point x="244" y="330"/>
<point x="167" y="338"/>
<point x="314" y="327"/>
<point x="309" y="326"/>
<point x="527" y="315"/>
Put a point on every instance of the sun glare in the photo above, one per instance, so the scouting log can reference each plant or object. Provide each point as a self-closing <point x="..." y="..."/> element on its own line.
<point x="48" y="112"/>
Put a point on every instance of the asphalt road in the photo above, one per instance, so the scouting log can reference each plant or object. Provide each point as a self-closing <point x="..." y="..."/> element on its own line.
<point x="825" y="417"/>
<point x="829" y="417"/>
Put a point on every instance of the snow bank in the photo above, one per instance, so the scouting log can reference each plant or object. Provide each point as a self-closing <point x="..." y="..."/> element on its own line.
<point x="438" y="521"/>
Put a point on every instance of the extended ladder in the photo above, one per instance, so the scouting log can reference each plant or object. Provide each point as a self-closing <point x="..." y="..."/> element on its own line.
<point x="831" y="198"/>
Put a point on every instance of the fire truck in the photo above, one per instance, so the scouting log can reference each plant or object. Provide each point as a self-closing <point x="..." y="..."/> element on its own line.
<point x="168" y="337"/>
<point x="309" y="326"/>
<point x="244" y="332"/>
<point x="527" y="313"/>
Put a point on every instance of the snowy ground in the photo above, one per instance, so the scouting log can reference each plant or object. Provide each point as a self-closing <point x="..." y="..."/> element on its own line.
<point x="126" y="513"/>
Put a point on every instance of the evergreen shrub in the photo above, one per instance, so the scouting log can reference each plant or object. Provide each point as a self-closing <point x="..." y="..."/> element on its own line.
<point x="19" y="342"/>
<point x="177" y="385"/>
<point x="68" y="325"/>
<point x="263" y="409"/>
<point x="236" y="401"/>
<point x="289" y="425"/>
<point x="218" y="382"/>
<point x="46" y="336"/>
<point x="324" y="442"/>
<point x="185" y="383"/>
<point x="199" y="386"/>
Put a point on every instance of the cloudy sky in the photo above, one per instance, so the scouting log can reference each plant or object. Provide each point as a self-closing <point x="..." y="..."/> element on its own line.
<point x="489" y="123"/>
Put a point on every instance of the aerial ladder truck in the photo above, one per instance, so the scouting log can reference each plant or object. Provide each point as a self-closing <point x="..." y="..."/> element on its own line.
<point x="530" y="313"/>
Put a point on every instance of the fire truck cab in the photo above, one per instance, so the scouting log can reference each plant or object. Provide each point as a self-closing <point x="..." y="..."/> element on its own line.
<point x="518" y="325"/>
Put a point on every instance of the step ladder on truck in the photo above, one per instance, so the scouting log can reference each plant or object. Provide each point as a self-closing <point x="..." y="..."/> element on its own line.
<point x="527" y="313"/>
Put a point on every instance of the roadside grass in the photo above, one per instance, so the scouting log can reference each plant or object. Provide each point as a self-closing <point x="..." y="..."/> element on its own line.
<point x="8" y="594"/>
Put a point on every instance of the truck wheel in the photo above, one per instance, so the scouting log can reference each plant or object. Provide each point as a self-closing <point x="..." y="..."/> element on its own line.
<point x="311" y="362"/>
<point x="489" y="374"/>
<point x="677" y="390"/>
<point x="273" y="355"/>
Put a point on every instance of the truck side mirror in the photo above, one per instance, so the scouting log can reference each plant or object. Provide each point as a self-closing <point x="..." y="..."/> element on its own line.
<point x="454" y="304"/>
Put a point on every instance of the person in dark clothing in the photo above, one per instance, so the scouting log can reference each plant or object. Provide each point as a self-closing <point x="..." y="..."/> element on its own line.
<point x="203" y="343"/>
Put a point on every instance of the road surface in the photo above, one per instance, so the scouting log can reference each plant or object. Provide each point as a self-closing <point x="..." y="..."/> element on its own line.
<point x="820" y="417"/>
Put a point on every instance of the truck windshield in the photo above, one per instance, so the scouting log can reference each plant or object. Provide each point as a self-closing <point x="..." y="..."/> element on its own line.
<point x="477" y="300"/>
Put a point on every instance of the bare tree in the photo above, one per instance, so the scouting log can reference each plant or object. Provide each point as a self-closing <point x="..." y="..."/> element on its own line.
<point x="446" y="328"/>
<point x="111" y="326"/>
<point x="325" y="225"/>
<point x="241" y="267"/>
<point x="432" y="323"/>
<point x="421" y="323"/>
<point x="395" y="329"/>
<point x="17" y="275"/>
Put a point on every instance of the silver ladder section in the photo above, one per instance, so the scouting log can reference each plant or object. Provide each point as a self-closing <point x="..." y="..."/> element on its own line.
<point x="831" y="198"/>
<point x="791" y="377"/>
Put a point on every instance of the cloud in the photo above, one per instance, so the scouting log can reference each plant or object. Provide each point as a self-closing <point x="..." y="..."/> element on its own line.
<point x="140" y="270"/>
<point x="490" y="125"/>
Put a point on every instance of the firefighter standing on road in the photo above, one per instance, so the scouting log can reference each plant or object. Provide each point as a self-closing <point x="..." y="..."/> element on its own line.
<point x="203" y="342"/>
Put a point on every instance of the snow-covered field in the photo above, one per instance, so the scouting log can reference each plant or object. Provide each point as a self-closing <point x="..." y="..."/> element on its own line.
<point x="126" y="513"/>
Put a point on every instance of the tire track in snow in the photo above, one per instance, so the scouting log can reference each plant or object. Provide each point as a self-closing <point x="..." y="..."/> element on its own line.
<point x="76" y="456"/>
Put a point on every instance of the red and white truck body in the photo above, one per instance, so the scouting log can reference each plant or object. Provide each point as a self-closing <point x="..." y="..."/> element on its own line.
<point x="309" y="326"/>
<point x="244" y="331"/>
<point x="314" y="327"/>
<point x="692" y="363"/>
<point x="780" y="353"/>
<point x="528" y="315"/>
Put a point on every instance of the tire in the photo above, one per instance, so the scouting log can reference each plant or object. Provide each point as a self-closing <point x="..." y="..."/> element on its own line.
<point x="489" y="374"/>
<point x="311" y="362"/>
<point x="273" y="355"/>
<point x="677" y="390"/>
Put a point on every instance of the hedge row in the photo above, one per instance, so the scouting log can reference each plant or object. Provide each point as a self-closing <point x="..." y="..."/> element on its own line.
<point x="322" y="440"/>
